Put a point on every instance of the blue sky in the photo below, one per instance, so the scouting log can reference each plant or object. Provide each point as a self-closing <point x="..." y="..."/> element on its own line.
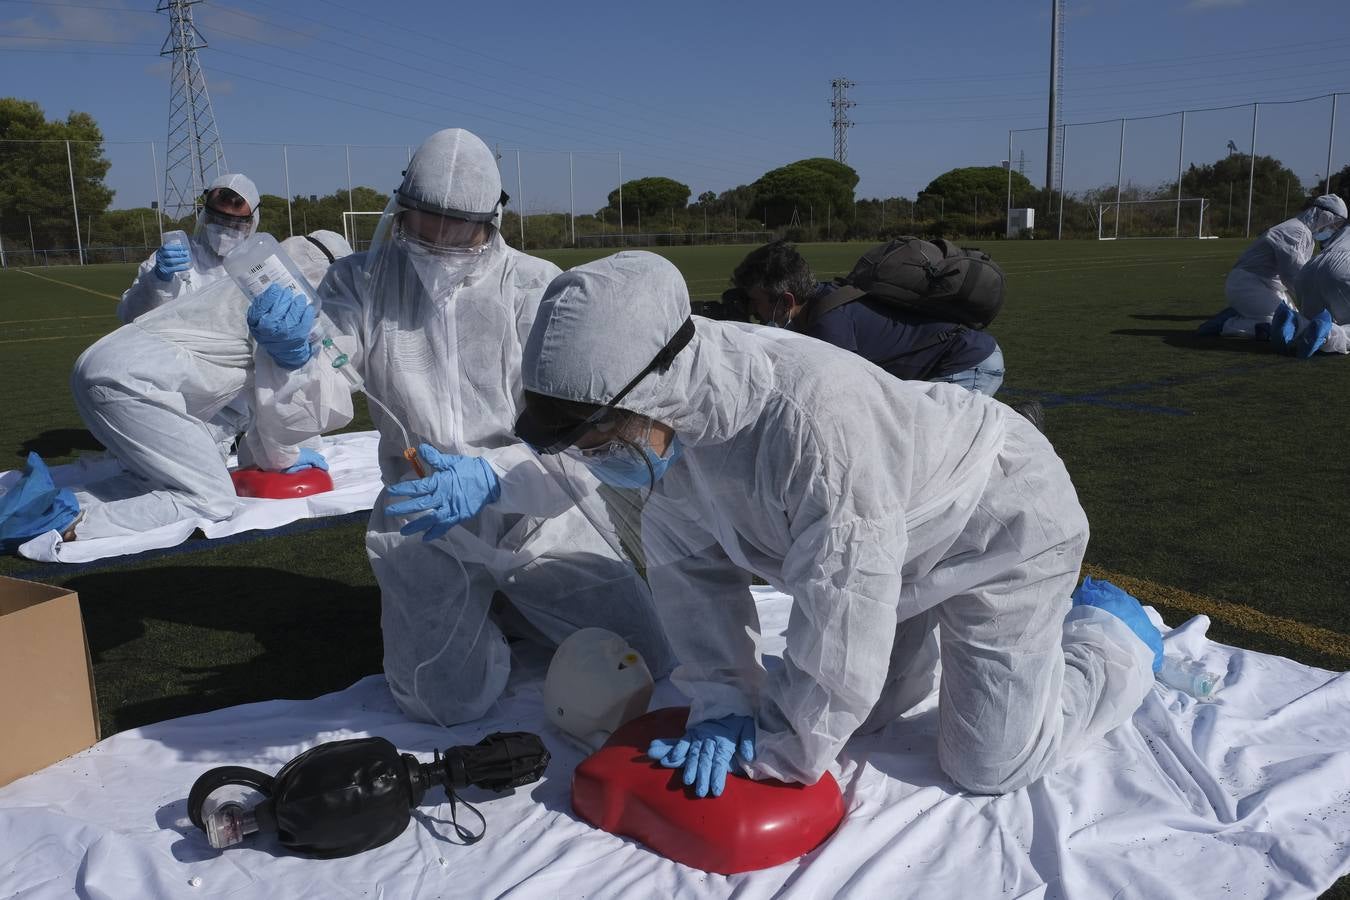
<point x="712" y="94"/>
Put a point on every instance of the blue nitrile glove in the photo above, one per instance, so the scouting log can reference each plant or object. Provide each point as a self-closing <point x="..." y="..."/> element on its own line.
<point x="34" y="506"/>
<point x="1105" y="595"/>
<point x="171" y="259"/>
<point x="309" y="459"/>
<point x="280" y="320"/>
<point x="707" y="752"/>
<point x="456" y="492"/>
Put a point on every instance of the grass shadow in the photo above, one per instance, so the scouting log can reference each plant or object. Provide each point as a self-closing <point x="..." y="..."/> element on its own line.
<point x="1159" y="317"/>
<point x="1192" y="341"/>
<point x="174" y="641"/>
<point x="58" y="442"/>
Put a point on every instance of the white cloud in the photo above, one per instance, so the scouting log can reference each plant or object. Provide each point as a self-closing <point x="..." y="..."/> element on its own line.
<point x="112" y="23"/>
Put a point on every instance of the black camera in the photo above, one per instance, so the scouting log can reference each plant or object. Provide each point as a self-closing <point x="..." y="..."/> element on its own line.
<point x="733" y="307"/>
<point x="343" y="797"/>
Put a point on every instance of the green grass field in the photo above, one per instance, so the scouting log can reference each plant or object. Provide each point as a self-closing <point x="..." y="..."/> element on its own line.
<point x="1207" y="468"/>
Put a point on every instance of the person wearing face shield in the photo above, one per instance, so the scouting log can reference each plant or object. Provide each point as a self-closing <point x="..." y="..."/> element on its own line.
<point x="1322" y="322"/>
<point x="908" y="521"/>
<point x="229" y="215"/>
<point x="483" y="541"/>
<point x="1265" y="274"/>
<point x="149" y="391"/>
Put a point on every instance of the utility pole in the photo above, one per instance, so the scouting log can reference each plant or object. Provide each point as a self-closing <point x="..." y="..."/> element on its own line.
<point x="1056" y="86"/>
<point x="194" y="143"/>
<point x="841" y="104"/>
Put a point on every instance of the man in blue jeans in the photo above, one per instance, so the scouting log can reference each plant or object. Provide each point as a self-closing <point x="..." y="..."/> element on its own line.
<point x="780" y="288"/>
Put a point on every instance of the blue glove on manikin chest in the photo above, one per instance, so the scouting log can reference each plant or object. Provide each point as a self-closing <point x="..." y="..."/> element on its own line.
<point x="455" y="492"/>
<point x="707" y="752"/>
<point x="280" y="321"/>
<point x="34" y="506"/>
<point x="1105" y="595"/>
<point x="308" y="459"/>
<point x="171" y="259"/>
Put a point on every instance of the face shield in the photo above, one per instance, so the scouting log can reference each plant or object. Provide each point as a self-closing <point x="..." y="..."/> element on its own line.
<point x="222" y="223"/>
<point x="429" y="252"/>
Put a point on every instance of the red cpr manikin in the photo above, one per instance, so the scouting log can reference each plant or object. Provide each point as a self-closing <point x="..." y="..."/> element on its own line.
<point x="253" y="482"/>
<point x="753" y="825"/>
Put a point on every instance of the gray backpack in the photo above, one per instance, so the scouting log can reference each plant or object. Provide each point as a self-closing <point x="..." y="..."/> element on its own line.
<point x="936" y="280"/>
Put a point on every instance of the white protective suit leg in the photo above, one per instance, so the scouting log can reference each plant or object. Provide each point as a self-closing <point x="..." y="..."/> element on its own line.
<point x="1254" y="298"/>
<point x="176" y="468"/>
<point x="1022" y="689"/>
<point x="446" y="658"/>
<point x="912" y="673"/>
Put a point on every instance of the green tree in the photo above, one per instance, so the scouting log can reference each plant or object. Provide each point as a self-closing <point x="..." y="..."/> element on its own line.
<point x="962" y="190"/>
<point x="818" y="184"/>
<point x="35" y="178"/>
<point x="1340" y="184"/>
<point x="650" y="196"/>
<point x="1276" y="191"/>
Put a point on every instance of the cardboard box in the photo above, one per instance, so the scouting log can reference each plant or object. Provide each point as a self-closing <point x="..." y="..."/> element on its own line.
<point x="48" y="709"/>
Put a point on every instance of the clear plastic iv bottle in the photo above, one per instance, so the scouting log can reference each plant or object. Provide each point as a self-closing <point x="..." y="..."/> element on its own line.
<point x="178" y="236"/>
<point x="1190" y="677"/>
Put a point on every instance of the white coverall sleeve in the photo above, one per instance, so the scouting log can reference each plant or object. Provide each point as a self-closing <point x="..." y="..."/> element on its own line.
<point x="147" y="292"/>
<point x="1293" y="249"/>
<point x="291" y="408"/>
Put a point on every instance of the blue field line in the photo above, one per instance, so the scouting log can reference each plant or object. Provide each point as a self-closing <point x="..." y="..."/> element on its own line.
<point x="1103" y="397"/>
<point x="50" y="570"/>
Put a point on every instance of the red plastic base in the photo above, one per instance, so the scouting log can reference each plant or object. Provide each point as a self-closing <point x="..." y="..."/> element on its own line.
<point x="253" y="482"/>
<point x="753" y="825"/>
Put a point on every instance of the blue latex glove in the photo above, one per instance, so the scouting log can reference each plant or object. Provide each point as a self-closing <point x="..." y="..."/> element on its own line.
<point x="171" y="259"/>
<point x="1105" y="595"/>
<point x="34" y="506"/>
<point x="309" y="459"/>
<point x="707" y="752"/>
<point x="456" y="492"/>
<point x="280" y="321"/>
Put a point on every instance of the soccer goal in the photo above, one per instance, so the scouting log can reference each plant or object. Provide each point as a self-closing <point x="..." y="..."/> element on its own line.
<point x="359" y="228"/>
<point x="1185" y="217"/>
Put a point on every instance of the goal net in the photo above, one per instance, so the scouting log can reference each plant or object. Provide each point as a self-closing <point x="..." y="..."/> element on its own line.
<point x="1187" y="217"/>
<point x="359" y="228"/>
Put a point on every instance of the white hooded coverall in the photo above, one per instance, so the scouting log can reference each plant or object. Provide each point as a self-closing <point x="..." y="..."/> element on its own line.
<point x="883" y="507"/>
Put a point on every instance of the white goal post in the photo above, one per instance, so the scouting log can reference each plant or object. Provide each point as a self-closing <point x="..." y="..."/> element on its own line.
<point x="1176" y="217"/>
<point x="357" y="232"/>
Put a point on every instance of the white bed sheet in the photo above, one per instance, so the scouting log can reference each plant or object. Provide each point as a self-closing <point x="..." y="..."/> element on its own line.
<point x="353" y="461"/>
<point x="1248" y="796"/>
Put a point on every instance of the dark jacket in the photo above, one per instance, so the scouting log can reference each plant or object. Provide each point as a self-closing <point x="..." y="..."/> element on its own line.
<point x="906" y="345"/>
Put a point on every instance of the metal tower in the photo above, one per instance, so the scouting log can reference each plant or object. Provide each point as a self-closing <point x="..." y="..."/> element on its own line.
<point x="194" y="146"/>
<point x="1054" y="137"/>
<point x="841" y="104"/>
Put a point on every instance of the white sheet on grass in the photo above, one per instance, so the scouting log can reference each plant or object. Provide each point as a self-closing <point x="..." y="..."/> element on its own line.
<point x="1247" y="796"/>
<point x="353" y="463"/>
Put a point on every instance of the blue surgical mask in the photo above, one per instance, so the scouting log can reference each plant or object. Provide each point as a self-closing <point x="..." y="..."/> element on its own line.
<point x="1323" y="234"/>
<point x="628" y="470"/>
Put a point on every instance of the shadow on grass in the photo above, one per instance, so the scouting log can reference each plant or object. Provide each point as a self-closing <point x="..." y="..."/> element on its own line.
<point x="1158" y="317"/>
<point x="1190" y="340"/>
<point x="59" y="442"/>
<point x="175" y="641"/>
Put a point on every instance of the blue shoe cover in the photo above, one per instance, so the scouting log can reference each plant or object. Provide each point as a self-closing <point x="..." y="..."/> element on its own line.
<point x="1313" y="335"/>
<point x="1214" y="327"/>
<point x="34" y="506"/>
<point x="1282" y="327"/>
<point x="1106" y="596"/>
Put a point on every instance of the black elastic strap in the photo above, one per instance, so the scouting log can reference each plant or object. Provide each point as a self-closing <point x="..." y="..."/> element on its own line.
<point x="465" y="834"/>
<point x="326" y="252"/>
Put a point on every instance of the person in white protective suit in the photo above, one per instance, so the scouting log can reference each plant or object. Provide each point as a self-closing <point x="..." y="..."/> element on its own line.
<point x="906" y="520"/>
<point x="1322" y="322"/>
<point x="147" y="391"/>
<point x="433" y="317"/>
<point x="1261" y="281"/>
<point x="229" y="215"/>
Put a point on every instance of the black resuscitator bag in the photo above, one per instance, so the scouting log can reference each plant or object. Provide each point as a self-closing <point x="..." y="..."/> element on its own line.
<point x="344" y="797"/>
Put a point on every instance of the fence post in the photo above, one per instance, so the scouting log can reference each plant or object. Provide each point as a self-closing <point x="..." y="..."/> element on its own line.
<point x="1120" y="168"/>
<point x="572" y="196"/>
<point x="520" y="189"/>
<point x="286" y="166"/>
<point x="1331" y="139"/>
<point x="620" y="159"/>
<point x="159" y="189"/>
<point x="1251" y="171"/>
<point x="350" y="206"/>
<point x="1007" y="216"/>
<point x="70" y="167"/>
<point x="1181" y="155"/>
